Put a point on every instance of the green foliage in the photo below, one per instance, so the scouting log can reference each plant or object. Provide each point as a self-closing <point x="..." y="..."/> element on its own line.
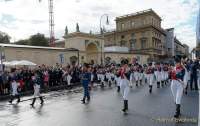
<point x="35" y="40"/>
<point x="4" y="37"/>
<point x="38" y="40"/>
<point x="23" y="42"/>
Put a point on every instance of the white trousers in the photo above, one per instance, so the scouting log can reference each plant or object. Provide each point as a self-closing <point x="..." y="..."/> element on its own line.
<point x="36" y="90"/>
<point x="14" y="85"/>
<point x="131" y="79"/>
<point x="177" y="91"/>
<point x="136" y="76"/>
<point x="150" y="79"/>
<point x="118" y="80"/>
<point x="124" y="88"/>
<point x="102" y="77"/>
<point x="158" y="76"/>
<point x="69" y="79"/>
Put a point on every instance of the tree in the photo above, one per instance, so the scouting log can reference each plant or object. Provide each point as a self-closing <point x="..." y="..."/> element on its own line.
<point x="23" y="42"/>
<point x="4" y="37"/>
<point x="38" y="40"/>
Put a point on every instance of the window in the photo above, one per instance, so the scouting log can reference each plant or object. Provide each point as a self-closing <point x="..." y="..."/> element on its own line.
<point x="133" y="35"/>
<point x="132" y="44"/>
<point x="143" y="34"/>
<point x="123" y="26"/>
<point x="132" y="24"/>
<point x="122" y="43"/>
<point x="143" y="43"/>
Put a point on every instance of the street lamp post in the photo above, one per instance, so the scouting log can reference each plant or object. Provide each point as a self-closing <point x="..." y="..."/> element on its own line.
<point x="101" y="32"/>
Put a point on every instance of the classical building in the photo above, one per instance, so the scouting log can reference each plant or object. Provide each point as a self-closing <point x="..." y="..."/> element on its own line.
<point x="141" y="32"/>
<point x="169" y="45"/>
<point x="92" y="50"/>
<point x="91" y="47"/>
<point x="180" y="49"/>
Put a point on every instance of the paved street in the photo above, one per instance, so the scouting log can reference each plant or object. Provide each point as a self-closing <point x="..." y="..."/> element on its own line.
<point x="103" y="110"/>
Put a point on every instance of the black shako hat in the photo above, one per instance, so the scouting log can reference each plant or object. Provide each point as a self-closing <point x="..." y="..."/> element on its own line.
<point x="124" y="61"/>
<point x="177" y="59"/>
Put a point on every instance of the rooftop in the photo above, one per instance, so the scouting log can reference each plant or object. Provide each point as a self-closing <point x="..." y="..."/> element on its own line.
<point x="36" y="47"/>
<point x="139" y="13"/>
<point x="81" y="34"/>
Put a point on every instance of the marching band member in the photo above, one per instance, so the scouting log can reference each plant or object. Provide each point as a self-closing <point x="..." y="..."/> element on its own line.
<point x="118" y="79"/>
<point x="124" y="83"/>
<point x="158" y="75"/>
<point x="140" y="74"/>
<point x="177" y="84"/>
<point x="136" y="73"/>
<point x="85" y="81"/>
<point x="37" y="81"/>
<point x="166" y="73"/>
<point x="150" y="76"/>
<point x="14" y="86"/>
<point x="131" y="77"/>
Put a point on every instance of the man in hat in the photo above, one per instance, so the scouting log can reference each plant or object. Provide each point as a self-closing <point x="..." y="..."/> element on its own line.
<point x="124" y="83"/>
<point x="37" y="82"/>
<point x="14" y="86"/>
<point x="150" y="76"/>
<point x="158" y="74"/>
<point x="85" y="81"/>
<point x="177" y="84"/>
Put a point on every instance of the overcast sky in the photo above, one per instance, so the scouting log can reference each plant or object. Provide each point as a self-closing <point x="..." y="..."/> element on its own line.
<point x="22" y="18"/>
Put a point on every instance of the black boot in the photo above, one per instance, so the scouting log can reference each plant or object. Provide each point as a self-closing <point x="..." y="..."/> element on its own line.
<point x="102" y="85"/>
<point x="109" y="83"/>
<point x="150" y="88"/>
<point x="177" y="114"/>
<point x="42" y="101"/>
<point x="18" y="98"/>
<point x="118" y="88"/>
<point x="33" y="102"/>
<point x="158" y="84"/>
<point x="136" y="83"/>
<point x="140" y="82"/>
<point x="11" y="99"/>
<point x="162" y="83"/>
<point x="83" y="100"/>
<point x="125" y="106"/>
<point x="88" y="98"/>
<point x="124" y="109"/>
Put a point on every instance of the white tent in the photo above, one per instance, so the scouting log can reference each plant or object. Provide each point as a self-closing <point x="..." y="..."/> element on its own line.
<point x="19" y="63"/>
<point x="25" y="63"/>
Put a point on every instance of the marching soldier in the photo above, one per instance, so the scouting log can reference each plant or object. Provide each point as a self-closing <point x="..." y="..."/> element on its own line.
<point x="158" y="75"/>
<point x="166" y="73"/>
<point x="124" y="83"/>
<point x="37" y="82"/>
<point x="150" y="76"/>
<point x="14" y="86"/>
<point x="177" y="84"/>
<point x="85" y="81"/>
<point x="136" y="74"/>
<point x="140" y="74"/>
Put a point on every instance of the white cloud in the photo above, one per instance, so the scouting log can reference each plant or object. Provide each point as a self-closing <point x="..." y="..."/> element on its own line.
<point x="32" y="16"/>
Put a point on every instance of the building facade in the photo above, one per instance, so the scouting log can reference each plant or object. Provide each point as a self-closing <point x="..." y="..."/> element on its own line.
<point x="141" y="32"/>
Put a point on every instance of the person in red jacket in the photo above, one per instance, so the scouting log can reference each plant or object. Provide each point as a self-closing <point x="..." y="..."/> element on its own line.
<point x="177" y="84"/>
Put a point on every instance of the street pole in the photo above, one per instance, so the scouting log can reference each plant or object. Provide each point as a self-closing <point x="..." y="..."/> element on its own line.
<point x="101" y="32"/>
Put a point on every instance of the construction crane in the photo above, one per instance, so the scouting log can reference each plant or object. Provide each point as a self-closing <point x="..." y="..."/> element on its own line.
<point x="51" y="23"/>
